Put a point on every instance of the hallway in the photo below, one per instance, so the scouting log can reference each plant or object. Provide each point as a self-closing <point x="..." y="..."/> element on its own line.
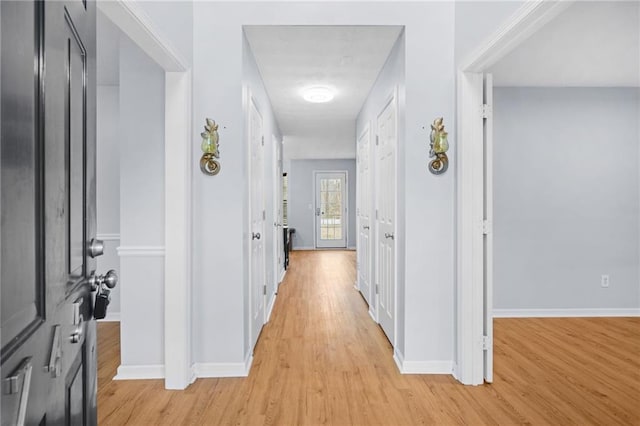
<point x="322" y="360"/>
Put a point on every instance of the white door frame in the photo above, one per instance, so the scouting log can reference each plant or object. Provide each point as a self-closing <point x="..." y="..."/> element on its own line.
<point x="278" y="270"/>
<point x="346" y="206"/>
<point x="136" y="24"/>
<point x="532" y="16"/>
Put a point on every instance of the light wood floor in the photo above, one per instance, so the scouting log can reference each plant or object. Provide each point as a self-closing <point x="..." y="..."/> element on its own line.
<point x="322" y="360"/>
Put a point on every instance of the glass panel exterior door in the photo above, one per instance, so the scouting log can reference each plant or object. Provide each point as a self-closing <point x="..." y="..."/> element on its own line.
<point x="331" y="209"/>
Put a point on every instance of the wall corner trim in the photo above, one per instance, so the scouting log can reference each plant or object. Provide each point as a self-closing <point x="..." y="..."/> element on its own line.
<point x="140" y="372"/>
<point x="566" y="313"/>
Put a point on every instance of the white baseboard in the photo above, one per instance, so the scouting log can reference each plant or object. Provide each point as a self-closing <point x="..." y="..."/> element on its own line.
<point x="284" y="272"/>
<point x="111" y="317"/>
<point x="565" y="313"/>
<point x="140" y="372"/>
<point x="454" y="371"/>
<point x="303" y="248"/>
<point x="422" y="367"/>
<point x="372" y="315"/>
<point x="351" y="248"/>
<point x="223" y="369"/>
<point x="198" y="370"/>
<point x="270" y="308"/>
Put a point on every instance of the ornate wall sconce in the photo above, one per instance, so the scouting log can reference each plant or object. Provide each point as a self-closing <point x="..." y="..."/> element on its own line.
<point x="208" y="163"/>
<point x="439" y="147"/>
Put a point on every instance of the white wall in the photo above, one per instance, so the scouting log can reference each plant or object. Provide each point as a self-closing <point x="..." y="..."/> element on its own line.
<point x="566" y="198"/>
<point x="390" y="79"/>
<point x="141" y="207"/>
<point x="108" y="184"/>
<point x="301" y="196"/>
<point x="174" y="20"/>
<point x="428" y="208"/>
<point x="477" y="20"/>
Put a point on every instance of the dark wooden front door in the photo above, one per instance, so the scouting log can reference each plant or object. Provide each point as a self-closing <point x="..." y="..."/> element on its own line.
<point x="47" y="118"/>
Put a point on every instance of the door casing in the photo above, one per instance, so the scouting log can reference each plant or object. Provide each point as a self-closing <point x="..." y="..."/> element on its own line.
<point x="178" y="270"/>
<point x="345" y="212"/>
<point x="470" y="259"/>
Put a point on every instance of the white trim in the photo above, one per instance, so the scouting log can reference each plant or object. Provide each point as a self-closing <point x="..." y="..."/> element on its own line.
<point x="223" y="369"/>
<point x="566" y="313"/>
<point x="111" y="317"/>
<point x="470" y="257"/>
<point x="140" y="251"/>
<point x="352" y="248"/>
<point x="303" y="248"/>
<point x="270" y="308"/>
<point x="470" y="180"/>
<point x="284" y="272"/>
<point x="177" y="230"/>
<point x="108" y="237"/>
<point x="373" y="315"/>
<point x="398" y="358"/>
<point x="135" y="23"/>
<point x="529" y="18"/>
<point x="140" y="372"/>
<point x="422" y="367"/>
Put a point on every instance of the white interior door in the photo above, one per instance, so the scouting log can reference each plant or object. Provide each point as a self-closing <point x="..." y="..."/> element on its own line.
<point x="386" y="216"/>
<point x="278" y="256"/>
<point x="331" y="209"/>
<point x="257" y="271"/>
<point x="363" y="210"/>
<point x="488" y="231"/>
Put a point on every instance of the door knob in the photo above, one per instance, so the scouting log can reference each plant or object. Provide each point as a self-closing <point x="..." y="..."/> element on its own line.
<point x="365" y="227"/>
<point x="388" y="235"/>
<point x="110" y="279"/>
<point x="96" y="248"/>
<point x="255" y="235"/>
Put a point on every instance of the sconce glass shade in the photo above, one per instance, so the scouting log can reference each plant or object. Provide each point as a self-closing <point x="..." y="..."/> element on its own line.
<point x="209" y="144"/>
<point x="441" y="144"/>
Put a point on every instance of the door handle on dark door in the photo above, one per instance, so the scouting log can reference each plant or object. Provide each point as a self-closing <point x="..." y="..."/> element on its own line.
<point x="104" y="284"/>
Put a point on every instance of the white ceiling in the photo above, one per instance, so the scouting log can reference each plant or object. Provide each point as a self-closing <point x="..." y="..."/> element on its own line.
<point x="591" y="44"/>
<point x="345" y="58"/>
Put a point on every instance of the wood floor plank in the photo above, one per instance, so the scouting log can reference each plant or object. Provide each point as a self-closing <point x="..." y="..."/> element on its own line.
<point x="322" y="360"/>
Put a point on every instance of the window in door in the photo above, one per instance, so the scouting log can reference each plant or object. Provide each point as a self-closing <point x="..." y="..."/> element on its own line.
<point x="331" y="209"/>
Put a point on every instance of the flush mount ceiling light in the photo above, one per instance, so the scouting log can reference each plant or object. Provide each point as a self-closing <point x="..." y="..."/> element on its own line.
<point x="318" y="94"/>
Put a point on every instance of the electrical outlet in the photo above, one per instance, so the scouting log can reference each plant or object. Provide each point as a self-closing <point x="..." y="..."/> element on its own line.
<point x="604" y="281"/>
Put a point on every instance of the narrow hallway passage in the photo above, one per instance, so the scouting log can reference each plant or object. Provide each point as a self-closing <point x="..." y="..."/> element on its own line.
<point x="322" y="360"/>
